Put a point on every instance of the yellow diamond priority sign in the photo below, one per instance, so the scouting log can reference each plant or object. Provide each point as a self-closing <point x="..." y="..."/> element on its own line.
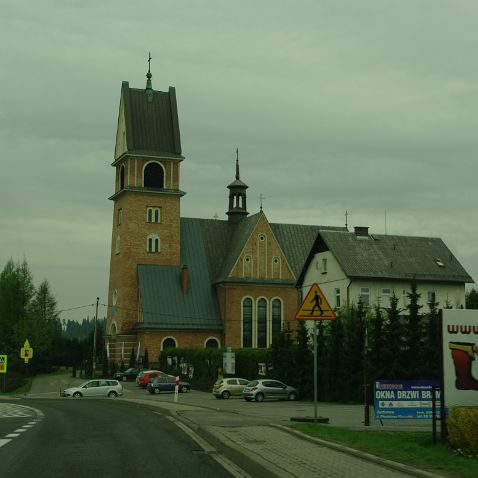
<point x="3" y="364"/>
<point x="26" y="352"/>
<point x="315" y="306"/>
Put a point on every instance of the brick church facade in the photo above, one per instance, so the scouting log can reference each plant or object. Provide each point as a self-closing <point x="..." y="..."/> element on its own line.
<point x="189" y="282"/>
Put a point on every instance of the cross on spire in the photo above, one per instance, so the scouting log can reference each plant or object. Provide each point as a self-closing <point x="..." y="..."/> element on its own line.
<point x="261" y="197"/>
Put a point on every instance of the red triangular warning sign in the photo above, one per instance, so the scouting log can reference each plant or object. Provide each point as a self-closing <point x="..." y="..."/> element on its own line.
<point x="315" y="306"/>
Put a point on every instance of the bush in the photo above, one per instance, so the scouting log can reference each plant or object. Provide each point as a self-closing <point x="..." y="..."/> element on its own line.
<point x="463" y="429"/>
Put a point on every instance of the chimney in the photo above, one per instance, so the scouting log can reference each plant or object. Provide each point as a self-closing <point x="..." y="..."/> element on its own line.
<point x="361" y="231"/>
<point x="184" y="279"/>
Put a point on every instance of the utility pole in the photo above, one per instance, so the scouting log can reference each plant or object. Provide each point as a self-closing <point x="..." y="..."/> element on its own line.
<point x="94" y="337"/>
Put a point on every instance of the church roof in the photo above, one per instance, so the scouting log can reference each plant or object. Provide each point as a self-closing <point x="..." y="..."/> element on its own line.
<point x="152" y="127"/>
<point x="394" y="257"/>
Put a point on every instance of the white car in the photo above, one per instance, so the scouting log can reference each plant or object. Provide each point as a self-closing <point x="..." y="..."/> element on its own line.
<point x="95" y="388"/>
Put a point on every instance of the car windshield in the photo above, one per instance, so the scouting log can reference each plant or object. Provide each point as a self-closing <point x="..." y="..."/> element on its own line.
<point x="218" y="382"/>
<point x="129" y="370"/>
<point x="253" y="383"/>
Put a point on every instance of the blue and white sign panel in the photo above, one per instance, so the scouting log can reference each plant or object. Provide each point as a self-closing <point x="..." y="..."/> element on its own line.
<point x="404" y="399"/>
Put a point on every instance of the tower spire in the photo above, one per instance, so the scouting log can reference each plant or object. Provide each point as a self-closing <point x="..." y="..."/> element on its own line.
<point x="237" y="196"/>
<point x="149" y="86"/>
<point x="237" y="164"/>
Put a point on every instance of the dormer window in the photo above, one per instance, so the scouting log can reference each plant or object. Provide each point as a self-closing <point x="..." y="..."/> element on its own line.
<point x="439" y="262"/>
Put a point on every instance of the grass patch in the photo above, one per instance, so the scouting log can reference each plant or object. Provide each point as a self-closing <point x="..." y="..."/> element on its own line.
<point x="411" y="448"/>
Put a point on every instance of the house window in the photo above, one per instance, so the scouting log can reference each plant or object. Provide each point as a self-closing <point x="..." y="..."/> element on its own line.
<point x="262" y="323"/>
<point x="153" y="244"/>
<point x="324" y="265"/>
<point x="405" y="297"/>
<point x="247" y="322"/>
<point x="365" y="296"/>
<point x="168" y="343"/>
<point x="385" y="299"/>
<point x="211" y="343"/>
<point x="431" y="297"/>
<point x="276" y="319"/>
<point x="153" y="176"/>
<point x="120" y="216"/>
<point x="337" y="298"/>
<point x="153" y="214"/>
<point x="117" y="245"/>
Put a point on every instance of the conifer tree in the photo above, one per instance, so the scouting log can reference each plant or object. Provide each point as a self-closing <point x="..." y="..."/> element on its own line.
<point x="146" y="359"/>
<point x="393" y="334"/>
<point x="303" y="361"/>
<point x="132" y="359"/>
<point x="377" y="346"/>
<point x="432" y="356"/>
<point x="414" y="336"/>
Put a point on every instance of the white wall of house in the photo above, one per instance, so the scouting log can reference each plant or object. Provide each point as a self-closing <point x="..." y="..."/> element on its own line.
<point x="339" y="289"/>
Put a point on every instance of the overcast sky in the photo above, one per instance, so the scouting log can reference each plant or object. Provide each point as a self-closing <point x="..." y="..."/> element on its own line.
<point x="368" y="106"/>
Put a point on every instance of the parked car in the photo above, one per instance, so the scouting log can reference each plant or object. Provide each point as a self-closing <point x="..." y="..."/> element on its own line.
<point x="129" y="374"/>
<point x="225" y="387"/>
<point x="146" y="376"/>
<point x="95" y="388"/>
<point x="268" y="389"/>
<point x="167" y="383"/>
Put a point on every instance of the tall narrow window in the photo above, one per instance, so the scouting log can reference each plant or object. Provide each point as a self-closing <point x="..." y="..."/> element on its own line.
<point x="365" y="296"/>
<point x="337" y="298"/>
<point x="153" y="176"/>
<point x="121" y="178"/>
<point x="385" y="299"/>
<point x="276" y="319"/>
<point x="153" y="244"/>
<point x="117" y="245"/>
<point x="262" y="323"/>
<point x="247" y="322"/>
<point x="324" y="265"/>
<point x="153" y="214"/>
<point x="120" y="216"/>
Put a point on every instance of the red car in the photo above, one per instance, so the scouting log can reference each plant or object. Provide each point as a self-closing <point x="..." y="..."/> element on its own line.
<point x="146" y="376"/>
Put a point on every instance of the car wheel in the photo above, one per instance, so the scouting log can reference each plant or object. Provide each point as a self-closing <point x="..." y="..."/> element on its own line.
<point x="156" y="391"/>
<point x="292" y="396"/>
<point x="77" y="395"/>
<point x="124" y="378"/>
<point x="225" y="394"/>
<point x="184" y="389"/>
<point x="112" y="394"/>
<point x="259" y="397"/>
<point x="218" y="396"/>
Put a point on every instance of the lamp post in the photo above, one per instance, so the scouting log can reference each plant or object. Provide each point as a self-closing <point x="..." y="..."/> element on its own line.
<point x="94" y="337"/>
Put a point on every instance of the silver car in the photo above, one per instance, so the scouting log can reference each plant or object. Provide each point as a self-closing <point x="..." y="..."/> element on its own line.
<point x="95" y="388"/>
<point x="225" y="387"/>
<point x="260" y="390"/>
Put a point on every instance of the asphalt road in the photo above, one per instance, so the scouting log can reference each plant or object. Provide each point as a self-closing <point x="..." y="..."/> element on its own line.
<point x="105" y="437"/>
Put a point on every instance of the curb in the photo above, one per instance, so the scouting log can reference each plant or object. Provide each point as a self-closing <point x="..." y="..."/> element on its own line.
<point x="360" y="454"/>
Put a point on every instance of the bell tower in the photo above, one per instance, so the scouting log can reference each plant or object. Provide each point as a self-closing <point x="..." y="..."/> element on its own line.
<point x="146" y="199"/>
<point x="237" y="197"/>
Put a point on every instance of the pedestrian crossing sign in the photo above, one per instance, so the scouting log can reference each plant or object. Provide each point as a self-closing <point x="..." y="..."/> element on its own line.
<point x="3" y="364"/>
<point x="315" y="306"/>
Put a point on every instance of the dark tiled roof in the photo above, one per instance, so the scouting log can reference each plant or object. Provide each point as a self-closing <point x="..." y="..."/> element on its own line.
<point x="151" y="127"/>
<point x="164" y="304"/>
<point x="394" y="257"/>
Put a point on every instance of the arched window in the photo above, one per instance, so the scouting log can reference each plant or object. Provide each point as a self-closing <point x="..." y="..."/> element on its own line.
<point x="121" y="178"/>
<point x="212" y="343"/>
<point x="113" y="329"/>
<point x="276" y="319"/>
<point x="117" y="245"/>
<point x="247" y="322"/>
<point x="153" y="176"/>
<point x="168" y="343"/>
<point x="153" y="243"/>
<point x="262" y="323"/>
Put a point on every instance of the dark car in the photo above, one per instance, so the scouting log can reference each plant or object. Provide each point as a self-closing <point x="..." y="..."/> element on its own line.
<point x="129" y="374"/>
<point x="167" y="383"/>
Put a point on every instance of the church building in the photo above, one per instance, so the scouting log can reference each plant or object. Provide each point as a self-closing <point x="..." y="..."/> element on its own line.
<point x="189" y="282"/>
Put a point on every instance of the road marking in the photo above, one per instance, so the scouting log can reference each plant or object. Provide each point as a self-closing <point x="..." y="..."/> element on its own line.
<point x="20" y="430"/>
<point x="8" y="410"/>
<point x="12" y="435"/>
<point x="3" y="442"/>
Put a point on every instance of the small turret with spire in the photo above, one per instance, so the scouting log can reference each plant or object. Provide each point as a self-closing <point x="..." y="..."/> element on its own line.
<point x="149" y="86"/>
<point x="237" y="197"/>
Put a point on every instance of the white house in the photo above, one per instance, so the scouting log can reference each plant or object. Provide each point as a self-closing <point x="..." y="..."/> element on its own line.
<point x="352" y="265"/>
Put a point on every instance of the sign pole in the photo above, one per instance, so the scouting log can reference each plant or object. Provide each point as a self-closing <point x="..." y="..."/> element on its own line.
<point x="315" y="371"/>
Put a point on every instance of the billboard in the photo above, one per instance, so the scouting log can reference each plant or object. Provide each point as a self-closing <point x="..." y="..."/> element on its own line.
<point x="460" y="352"/>
<point x="405" y="399"/>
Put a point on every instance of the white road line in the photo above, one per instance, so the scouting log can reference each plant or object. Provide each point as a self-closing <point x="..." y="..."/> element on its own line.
<point x="19" y="430"/>
<point x="12" y="435"/>
<point x="3" y="442"/>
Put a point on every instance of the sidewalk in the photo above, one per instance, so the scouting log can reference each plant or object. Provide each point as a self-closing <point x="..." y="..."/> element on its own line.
<point x="267" y="451"/>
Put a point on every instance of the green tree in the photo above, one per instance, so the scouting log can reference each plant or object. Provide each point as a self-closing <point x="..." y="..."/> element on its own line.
<point x="413" y="336"/>
<point x="393" y="334"/>
<point x="303" y="361"/>
<point x="146" y="358"/>
<point x="432" y="347"/>
<point x="132" y="359"/>
<point x="471" y="299"/>
<point x="377" y="346"/>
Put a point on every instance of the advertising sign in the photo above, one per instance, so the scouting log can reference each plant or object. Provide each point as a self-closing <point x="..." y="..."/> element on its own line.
<point x="229" y="362"/>
<point x="3" y="364"/>
<point x="404" y="399"/>
<point x="460" y="351"/>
